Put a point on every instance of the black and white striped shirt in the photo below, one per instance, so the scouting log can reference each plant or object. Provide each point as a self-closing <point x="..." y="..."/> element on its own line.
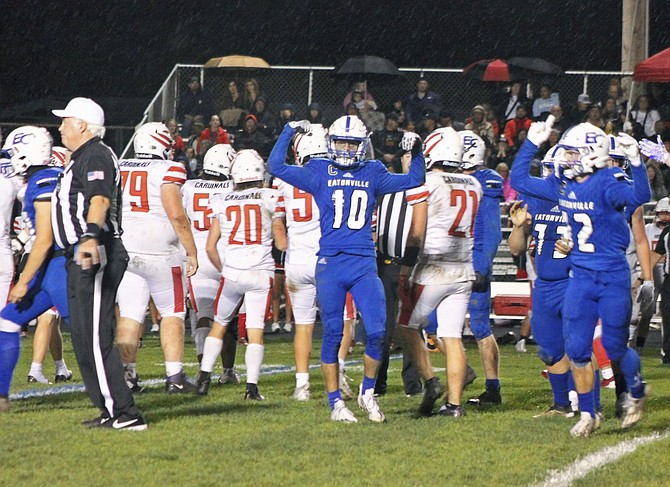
<point x="662" y="248"/>
<point x="93" y="171"/>
<point x="394" y="218"/>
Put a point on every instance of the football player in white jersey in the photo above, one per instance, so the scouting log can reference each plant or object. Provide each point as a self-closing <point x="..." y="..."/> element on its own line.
<point x="9" y="188"/>
<point x="297" y="211"/>
<point x="242" y="220"/>
<point x="440" y="242"/>
<point x="154" y="224"/>
<point x="203" y="285"/>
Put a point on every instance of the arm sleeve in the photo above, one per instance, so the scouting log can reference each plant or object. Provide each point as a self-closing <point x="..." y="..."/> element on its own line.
<point x="619" y="192"/>
<point x="299" y="176"/>
<point x="487" y="225"/>
<point x="523" y="182"/>
<point x="392" y="183"/>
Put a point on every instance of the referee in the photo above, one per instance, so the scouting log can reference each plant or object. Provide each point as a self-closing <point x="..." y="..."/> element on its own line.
<point x="86" y="217"/>
<point x="394" y="217"/>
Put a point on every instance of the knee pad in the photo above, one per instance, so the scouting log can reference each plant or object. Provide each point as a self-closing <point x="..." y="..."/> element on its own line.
<point x="374" y="346"/>
<point x="480" y="310"/>
<point x="431" y="327"/>
<point x="549" y="357"/>
<point x="615" y="348"/>
<point x="330" y="347"/>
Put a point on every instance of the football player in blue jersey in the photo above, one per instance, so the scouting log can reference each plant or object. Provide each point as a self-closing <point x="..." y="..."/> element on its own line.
<point x="544" y="222"/>
<point x="345" y="186"/>
<point x="41" y="284"/>
<point x="488" y="235"/>
<point x="592" y="196"/>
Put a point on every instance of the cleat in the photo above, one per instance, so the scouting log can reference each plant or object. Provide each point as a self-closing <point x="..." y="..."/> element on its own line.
<point x="127" y="423"/>
<point x="155" y="328"/>
<point x="288" y="327"/>
<point x="301" y="393"/>
<point x="178" y="384"/>
<point x="101" y="421"/>
<point x="39" y="379"/>
<point x="275" y="328"/>
<point x="633" y="408"/>
<point x="202" y="384"/>
<point x="368" y="402"/>
<point x="618" y="406"/>
<point x="229" y="376"/>
<point x="431" y="344"/>
<point x="601" y="415"/>
<point x="556" y="410"/>
<point x="470" y="376"/>
<point x="490" y="397"/>
<point x="133" y="384"/>
<point x="345" y="388"/>
<point x="67" y="376"/>
<point x="521" y="346"/>
<point x="545" y="373"/>
<point x="4" y="404"/>
<point x="586" y="425"/>
<point x="342" y="414"/>
<point x="252" y="393"/>
<point x="431" y="393"/>
<point x="448" y="409"/>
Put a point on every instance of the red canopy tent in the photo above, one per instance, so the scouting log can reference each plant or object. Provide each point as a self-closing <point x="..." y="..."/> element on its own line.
<point x="655" y="69"/>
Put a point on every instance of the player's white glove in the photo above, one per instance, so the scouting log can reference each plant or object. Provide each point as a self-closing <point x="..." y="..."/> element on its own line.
<point x="410" y="142"/>
<point x="655" y="150"/>
<point x="630" y="148"/>
<point x="17" y="246"/>
<point x="300" y="126"/>
<point x="645" y="294"/>
<point x="538" y="133"/>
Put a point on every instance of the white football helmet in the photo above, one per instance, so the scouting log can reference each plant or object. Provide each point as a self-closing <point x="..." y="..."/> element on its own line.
<point x="548" y="162"/>
<point x="616" y="152"/>
<point x="153" y="139"/>
<point x="218" y="160"/>
<point x="444" y="147"/>
<point x="60" y="156"/>
<point x="28" y="146"/>
<point x="662" y="212"/>
<point x="586" y="149"/>
<point x="310" y="144"/>
<point x="349" y="128"/>
<point x="474" y="150"/>
<point x="247" y="167"/>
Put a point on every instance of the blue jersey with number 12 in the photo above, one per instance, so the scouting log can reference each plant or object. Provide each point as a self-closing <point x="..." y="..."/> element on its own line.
<point x="345" y="196"/>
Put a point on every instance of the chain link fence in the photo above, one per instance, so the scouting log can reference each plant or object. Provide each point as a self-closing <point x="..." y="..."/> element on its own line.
<point x="303" y="85"/>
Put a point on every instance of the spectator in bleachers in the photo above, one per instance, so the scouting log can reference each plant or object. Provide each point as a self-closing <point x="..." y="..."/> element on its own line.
<point x="595" y="117"/>
<point x="490" y="114"/>
<point x="286" y="114"/>
<point x="561" y="123"/>
<point x="480" y="126"/>
<point x="352" y="109"/>
<point x="251" y="91"/>
<point x="179" y="144"/>
<point x="214" y="133"/>
<point x="578" y="113"/>
<point x="193" y="105"/>
<point x="203" y="147"/>
<point x="614" y="91"/>
<point x="643" y="118"/>
<point x="315" y="114"/>
<point x="520" y="122"/>
<point x="252" y="138"/>
<point x="658" y="189"/>
<point x="422" y="100"/>
<point x="507" y="103"/>
<point x="191" y="161"/>
<point x="542" y="105"/>
<point x="447" y="120"/>
<point x="372" y="119"/>
<point x="196" y="131"/>
<point x="360" y="86"/>
<point x="232" y="98"/>
<point x="500" y="154"/>
<point x="386" y="143"/>
<point x="428" y="124"/>
<point x="266" y="120"/>
<point x="612" y="117"/>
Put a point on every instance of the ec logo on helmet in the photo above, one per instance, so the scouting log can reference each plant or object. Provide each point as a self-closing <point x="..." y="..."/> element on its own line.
<point x="22" y="138"/>
<point x="591" y="137"/>
<point x="469" y="141"/>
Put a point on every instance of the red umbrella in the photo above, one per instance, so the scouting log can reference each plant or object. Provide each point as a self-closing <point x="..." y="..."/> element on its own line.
<point x="489" y="70"/>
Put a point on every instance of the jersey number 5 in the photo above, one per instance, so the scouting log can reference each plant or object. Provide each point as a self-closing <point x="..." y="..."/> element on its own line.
<point x="306" y="198"/>
<point x="200" y="206"/>
<point x="137" y="189"/>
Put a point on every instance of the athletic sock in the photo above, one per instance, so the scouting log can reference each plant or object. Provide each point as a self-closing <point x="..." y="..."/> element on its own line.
<point x="596" y="391"/>
<point x="493" y="385"/>
<point x="131" y="369"/>
<point x="586" y="403"/>
<point x="301" y="378"/>
<point x="559" y="388"/>
<point x="210" y="353"/>
<point x="253" y="358"/>
<point x="36" y="369"/>
<point x="10" y="344"/>
<point x="61" y="367"/>
<point x="333" y="397"/>
<point x="368" y="383"/>
<point x="173" y="368"/>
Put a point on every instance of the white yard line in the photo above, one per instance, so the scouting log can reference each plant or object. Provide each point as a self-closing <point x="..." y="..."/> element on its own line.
<point x="582" y="467"/>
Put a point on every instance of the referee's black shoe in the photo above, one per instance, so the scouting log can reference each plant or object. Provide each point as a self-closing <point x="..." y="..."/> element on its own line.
<point x="431" y="393"/>
<point x="101" y="421"/>
<point x="178" y="384"/>
<point x="128" y="423"/>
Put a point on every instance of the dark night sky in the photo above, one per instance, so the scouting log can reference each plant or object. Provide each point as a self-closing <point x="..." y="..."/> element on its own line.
<point x="127" y="48"/>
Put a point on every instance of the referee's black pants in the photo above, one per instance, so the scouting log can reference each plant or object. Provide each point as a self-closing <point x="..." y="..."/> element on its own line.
<point x="389" y="273"/>
<point x="665" y="318"/>
<point x="91" y="298"/>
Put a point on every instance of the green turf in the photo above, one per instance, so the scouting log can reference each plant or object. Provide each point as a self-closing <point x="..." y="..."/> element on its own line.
<point x="222" y="440"/>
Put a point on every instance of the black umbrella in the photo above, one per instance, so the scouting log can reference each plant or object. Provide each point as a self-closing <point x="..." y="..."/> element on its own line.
<point x="366" y="67"/>
<point x="534" y="65"/>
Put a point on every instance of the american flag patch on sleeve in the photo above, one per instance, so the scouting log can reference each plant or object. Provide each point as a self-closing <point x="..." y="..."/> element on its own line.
<point x="96" y="175"/>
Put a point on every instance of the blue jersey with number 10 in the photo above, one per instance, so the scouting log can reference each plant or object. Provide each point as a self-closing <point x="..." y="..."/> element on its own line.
<point x="345" y="196"/>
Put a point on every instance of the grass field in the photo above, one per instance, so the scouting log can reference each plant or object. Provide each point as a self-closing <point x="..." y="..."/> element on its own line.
<point x="222" y="440"/>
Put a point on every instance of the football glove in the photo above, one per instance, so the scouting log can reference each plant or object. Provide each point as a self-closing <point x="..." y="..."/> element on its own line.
<point x="300" y="126"/>
<point x="411" y="142"/>
<point x="645" y="294"/>
<point x="630" y="147"/>
<point x="480" y="284"/>
<point x="538" y="133"/>
<point x="654" y="150"/>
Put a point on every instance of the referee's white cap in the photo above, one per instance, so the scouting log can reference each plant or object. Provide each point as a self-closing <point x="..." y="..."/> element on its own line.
<point x="84" y="109"/>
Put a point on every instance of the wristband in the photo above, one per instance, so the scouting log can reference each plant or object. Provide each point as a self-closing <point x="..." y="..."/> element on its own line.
<point x="640" y="280"/>
<point x="92" y="230"/>
<point x="410" y="257"/>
